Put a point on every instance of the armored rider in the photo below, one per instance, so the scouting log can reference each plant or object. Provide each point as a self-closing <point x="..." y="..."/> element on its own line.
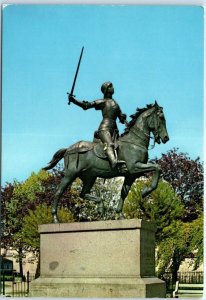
<point x="108" y="127"/>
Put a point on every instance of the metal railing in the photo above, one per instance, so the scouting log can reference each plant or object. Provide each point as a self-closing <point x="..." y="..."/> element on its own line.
<point x="185" y="277"/>
<point x="192" y="277"/>
<point x="16" y="286"/>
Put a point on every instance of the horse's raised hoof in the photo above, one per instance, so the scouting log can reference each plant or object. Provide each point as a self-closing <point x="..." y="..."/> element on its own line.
<point x="121" y="216"/>
<point x="119" y="207"/>
<point x="55" y="219"/>
<point x="145" y="193"/>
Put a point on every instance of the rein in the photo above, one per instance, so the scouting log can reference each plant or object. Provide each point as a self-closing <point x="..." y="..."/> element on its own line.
<point x="136" y="131"/>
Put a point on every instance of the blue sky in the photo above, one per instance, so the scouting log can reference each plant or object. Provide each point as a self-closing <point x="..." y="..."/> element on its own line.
<point x="148" y="52"/>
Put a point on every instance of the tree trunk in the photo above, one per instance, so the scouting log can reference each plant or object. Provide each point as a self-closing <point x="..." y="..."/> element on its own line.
<point x="175" y="266"/>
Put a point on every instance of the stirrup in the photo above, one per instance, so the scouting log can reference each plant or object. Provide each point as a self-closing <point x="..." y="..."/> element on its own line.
<point x="121" y="166"/>
<point x="121" y="162"/>
<point x="118" y="163"/>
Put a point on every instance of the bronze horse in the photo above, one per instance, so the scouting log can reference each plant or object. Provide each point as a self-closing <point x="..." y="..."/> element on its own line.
<point x="81" y="159"/>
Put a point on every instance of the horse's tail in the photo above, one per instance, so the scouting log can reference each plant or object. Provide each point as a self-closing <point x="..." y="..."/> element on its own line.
<point x="55" y="159"/>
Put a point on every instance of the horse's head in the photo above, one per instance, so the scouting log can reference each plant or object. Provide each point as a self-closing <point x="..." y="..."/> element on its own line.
<point x="157" y="124"/>
<point x="148" y="119"/>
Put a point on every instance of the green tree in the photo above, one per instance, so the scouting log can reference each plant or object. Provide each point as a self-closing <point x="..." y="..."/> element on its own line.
<point x="161" y="207"/>
<point x="41" y="215"/>
<point x="175" y="239"/>
<point x="20" y="198"/>
<point x="107" y="190"/>
<point x="29" y="231"/>
<point x="197" y="227"/>
<point x="180" y="240"/>
<point x="16" y="199"/>
<point x="186" y="177"/>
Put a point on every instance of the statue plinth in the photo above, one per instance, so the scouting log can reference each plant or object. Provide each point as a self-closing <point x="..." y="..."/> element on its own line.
<point x="98" y="259"/>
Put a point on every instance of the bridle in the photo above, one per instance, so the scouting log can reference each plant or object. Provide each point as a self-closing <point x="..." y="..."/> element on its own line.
<point x="143" y="136"/>
<point x="156" y="123"/>
<point x="139" y="133"/>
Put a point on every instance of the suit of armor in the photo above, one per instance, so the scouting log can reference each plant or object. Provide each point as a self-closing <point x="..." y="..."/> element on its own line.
<point x="108" y="127"/>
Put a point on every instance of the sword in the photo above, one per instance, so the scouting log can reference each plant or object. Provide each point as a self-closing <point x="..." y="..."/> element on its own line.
<point x="75" y="77"/>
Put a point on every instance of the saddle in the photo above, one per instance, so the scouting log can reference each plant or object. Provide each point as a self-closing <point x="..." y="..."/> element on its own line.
<point x="97" y="146"/>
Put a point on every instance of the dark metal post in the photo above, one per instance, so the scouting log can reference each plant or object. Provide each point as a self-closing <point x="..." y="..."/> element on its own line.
<point x="1" y="266"/>
<point x="27" y="281"/>
<point x="13" y="282"/>
<point x="3" y="282"/>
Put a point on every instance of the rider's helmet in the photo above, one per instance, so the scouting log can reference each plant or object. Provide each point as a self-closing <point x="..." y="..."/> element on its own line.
<point x="105" y="86"/>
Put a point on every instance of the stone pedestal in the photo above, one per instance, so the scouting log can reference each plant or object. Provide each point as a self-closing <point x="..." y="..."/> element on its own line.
<point x="98" y="259"/>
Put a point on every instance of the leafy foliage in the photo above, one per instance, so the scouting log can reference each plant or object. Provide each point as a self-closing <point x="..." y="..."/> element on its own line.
<point x="41" y="215"/>
<point x="175" y="238"/>
<point x="186" y="177"/>
<point x="197" y="239"/>
<point x="180" y="240"/>
<point x="18" y="199"/>
<point x="107" y="190"/>
<point x="162" y="207"/>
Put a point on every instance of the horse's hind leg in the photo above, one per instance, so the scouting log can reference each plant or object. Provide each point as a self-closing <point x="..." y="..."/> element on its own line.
<point x="65" y="182"/>
<point x="85" y="194"/>
<point x="124" y="192"/>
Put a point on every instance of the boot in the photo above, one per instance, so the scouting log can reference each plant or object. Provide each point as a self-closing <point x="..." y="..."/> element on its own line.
<point x="111" y="156"/>
<point x="121" y="164"/>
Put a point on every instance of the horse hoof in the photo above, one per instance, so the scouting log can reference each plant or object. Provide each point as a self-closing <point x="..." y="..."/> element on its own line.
<point x="144" y="193"/>
<point x="55" y="219"/>
<point x="118" y="210"/>
<point x="119" y="207"/>
<point x="121" y="217"/>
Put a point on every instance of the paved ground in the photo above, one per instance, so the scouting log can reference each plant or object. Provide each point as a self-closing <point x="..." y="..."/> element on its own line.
<point x="191" y="296"/>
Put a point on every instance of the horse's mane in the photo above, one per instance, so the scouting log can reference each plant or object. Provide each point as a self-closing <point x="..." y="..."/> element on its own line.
<point x="134" y="117"/>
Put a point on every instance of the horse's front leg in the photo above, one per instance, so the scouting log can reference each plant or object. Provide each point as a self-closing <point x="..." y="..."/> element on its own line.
<point x="146" y="168"/>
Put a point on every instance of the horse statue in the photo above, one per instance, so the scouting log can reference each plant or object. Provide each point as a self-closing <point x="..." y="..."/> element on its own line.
<point x="87" y="160"/>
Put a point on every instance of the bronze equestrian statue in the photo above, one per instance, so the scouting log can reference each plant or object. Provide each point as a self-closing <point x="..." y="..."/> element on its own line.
<point x="110" y="155"/>
<point x="87" y="160"/>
